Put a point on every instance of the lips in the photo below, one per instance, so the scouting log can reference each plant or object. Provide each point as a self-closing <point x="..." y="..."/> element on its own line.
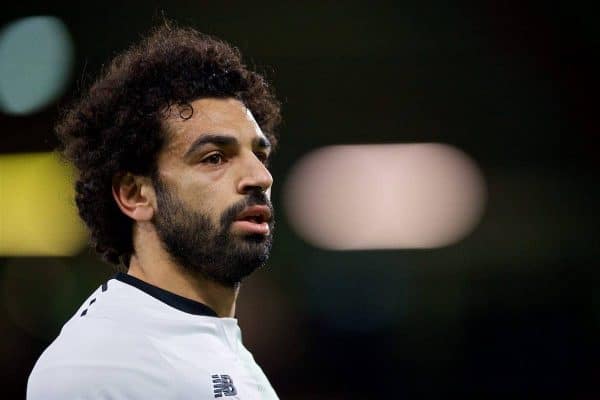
<point x="255" y="214"/>
<point x="254" y="219"/>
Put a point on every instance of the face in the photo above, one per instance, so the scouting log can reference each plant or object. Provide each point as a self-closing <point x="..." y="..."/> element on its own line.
<point x="213" y="211"/>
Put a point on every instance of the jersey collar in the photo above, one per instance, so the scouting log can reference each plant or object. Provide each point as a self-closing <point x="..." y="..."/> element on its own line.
<point x="174" y="300"/>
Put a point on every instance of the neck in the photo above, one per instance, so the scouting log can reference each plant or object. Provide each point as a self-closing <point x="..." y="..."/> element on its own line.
<point x="152" y="265"/>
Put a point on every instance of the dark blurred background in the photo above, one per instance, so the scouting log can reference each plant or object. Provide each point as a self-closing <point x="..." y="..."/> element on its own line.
<point x="511" y="310"/>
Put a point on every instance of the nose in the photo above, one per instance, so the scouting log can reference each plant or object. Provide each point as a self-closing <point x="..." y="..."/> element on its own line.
<point x="255" y="176"/>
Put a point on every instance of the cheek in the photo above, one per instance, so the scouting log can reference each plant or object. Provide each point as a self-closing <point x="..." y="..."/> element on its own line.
<point x="211" y="199"/>
<point x="209" y="193"/>
<point x="194" y="187"/>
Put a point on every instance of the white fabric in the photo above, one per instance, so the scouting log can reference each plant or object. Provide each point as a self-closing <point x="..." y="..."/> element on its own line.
<point x="130" y="345"/>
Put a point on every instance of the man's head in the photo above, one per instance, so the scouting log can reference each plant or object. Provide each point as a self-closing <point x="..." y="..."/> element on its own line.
<point x="210" y="205"/>
<point x="175" y="136"/>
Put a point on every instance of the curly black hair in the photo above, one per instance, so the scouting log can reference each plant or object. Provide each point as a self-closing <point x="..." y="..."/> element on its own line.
<point x="115" y="127"/>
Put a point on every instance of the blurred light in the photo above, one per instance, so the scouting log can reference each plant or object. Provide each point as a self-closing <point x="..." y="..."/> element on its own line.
<point x="37" y="210"/>
<point x="384" y="196"/>
<point x="36" y="56"/>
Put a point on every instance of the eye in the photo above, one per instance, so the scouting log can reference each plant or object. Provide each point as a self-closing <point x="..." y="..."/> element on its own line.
<point x="214" y="159"/>
<point x="263" y="157"/>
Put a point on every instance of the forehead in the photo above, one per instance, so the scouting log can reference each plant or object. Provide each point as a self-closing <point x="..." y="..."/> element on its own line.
<point x="210" y="116"/>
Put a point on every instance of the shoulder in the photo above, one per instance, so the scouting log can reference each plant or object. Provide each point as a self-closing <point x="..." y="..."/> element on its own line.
<point x="101" y="361"/>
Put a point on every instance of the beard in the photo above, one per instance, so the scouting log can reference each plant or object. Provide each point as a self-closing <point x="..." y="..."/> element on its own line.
<point x="198" y="246"/>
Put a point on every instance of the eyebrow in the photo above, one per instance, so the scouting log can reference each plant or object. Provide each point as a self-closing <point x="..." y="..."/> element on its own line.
<point x="261" y="142"/>
<point x="224" y="141"/>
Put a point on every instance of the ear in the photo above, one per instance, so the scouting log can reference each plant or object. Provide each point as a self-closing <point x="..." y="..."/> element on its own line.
<point x="134" y="195"/>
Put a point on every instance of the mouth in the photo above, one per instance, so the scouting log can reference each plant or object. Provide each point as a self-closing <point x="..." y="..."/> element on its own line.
<point x="254" y="219"/>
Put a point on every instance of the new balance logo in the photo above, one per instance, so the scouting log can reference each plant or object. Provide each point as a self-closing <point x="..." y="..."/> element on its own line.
<point x="223" y="386"/>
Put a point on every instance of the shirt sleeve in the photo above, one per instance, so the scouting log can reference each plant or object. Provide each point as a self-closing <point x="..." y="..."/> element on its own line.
<point x="101" y="362"/>
<point x="98" y="383"/>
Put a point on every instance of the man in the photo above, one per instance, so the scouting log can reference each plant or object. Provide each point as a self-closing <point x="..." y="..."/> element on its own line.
<point x="171" y="144"/>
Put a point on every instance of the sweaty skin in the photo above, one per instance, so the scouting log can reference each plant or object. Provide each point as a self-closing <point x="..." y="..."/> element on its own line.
<point x="208" y="178"/>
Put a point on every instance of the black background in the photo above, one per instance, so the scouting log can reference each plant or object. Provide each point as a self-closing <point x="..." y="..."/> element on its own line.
<point x="512" y="310"/>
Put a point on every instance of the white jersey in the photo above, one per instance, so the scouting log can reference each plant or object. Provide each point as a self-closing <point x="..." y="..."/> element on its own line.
<point x="133" y="340"/>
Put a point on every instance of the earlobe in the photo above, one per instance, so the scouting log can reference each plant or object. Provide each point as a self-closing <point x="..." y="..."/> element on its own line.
<point x="134" y="196"/>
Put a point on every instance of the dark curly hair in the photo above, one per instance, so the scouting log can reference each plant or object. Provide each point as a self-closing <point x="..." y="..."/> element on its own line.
<point x="116" y="126"/>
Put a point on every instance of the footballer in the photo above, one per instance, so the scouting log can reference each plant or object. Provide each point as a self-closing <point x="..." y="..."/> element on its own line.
<point x="171" y="144"/>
